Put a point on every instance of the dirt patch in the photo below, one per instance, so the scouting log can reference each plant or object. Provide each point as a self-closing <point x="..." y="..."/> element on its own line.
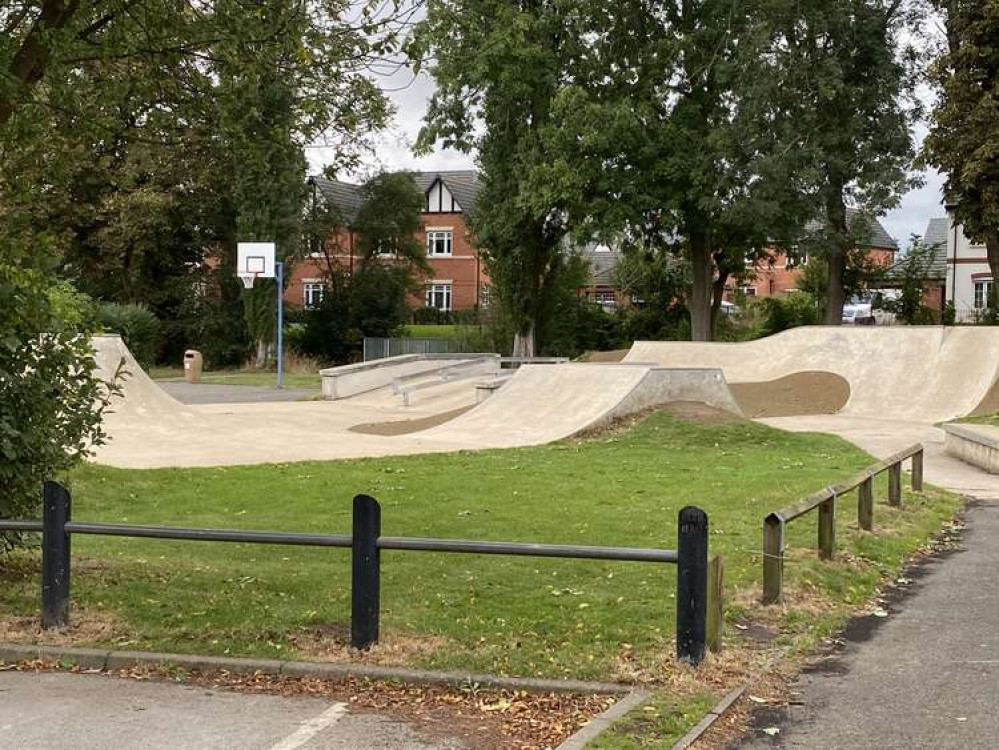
<point x="615" y="355"/>
<point x="809" y="392"/>
<point x="695" y="411"/>
<point x="406" y="426"/>
<point x="86" y="626"/>
<point x="483" y="719"/>
<point x="332" y="643"/>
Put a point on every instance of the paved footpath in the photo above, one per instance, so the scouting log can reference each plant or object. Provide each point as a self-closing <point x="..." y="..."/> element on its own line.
<point x="52" y="711"/>
<point x="219" y="393"/>
<point x="928" y="675"/>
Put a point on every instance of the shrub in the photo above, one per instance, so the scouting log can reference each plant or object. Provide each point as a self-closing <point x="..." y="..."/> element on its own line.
<point x="431" y="316"/>
<point x="797" y="309"/>
<point x="136" y="324"/>
<point x="51" y="400"/>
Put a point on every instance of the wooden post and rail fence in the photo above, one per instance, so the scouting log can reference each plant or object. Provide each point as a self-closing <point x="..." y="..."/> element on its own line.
<point x="825" y="502"/>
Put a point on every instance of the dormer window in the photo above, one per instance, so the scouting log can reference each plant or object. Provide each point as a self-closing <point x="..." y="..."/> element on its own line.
<point x="440" y="200"/>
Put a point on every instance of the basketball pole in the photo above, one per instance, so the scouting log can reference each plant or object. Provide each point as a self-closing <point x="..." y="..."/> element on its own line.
<point x="279" y="268"/>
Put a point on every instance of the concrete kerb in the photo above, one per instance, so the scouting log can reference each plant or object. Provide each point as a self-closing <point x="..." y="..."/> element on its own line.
<point x="710" y="718"/>
<point x="89" y="658"/>
<point x="604" y="721"/>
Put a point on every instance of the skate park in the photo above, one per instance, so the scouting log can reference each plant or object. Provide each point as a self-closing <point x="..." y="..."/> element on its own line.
<point x="880" y="388"/>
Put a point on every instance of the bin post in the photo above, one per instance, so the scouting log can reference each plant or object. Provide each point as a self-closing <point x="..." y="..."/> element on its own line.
<point x="691" y="585"/>
<point x="365" y="572"/>
<point x="55" y="556"/>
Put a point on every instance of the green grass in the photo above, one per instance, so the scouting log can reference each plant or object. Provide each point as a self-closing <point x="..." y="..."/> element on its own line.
<point x="504" y="615"/>
<point x="990" y="419"/>
<point x="433" y="332"/>
<point x="658" y="723"/>
<point x="242" y="377"/>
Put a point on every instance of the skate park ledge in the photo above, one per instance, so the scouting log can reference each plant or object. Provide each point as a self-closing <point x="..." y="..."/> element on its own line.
<point x="976" y="444"/>
<point x="351" y="380"/>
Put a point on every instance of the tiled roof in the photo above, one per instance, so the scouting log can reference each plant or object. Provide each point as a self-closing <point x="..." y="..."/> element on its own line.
<point x="879" y="237"/>
<point x="463" y="184"/>
<point x="344" y="195"/>
<point x="935" y="236"/>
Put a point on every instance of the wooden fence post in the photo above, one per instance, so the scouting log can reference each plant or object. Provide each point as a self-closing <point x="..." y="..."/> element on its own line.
<point x="716" y="602"/>
<point x="865" y="504"/>
<point x="691" y="585"/>
<point x="827" y="528"/>
<point x="917" y="471"/>
<point x="365" y="572"/>
<point x="773" y="558"/>
<point x="895" y="485"/>
<point x="56" y="512"/>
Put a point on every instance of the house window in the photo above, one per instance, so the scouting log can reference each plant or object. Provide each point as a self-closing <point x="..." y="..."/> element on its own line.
<point x="439" y="296"/>
<point x="983" y="292"/>
<point x="485" y="296"/>
<point x="605" y="298"/>
<point x="439" y="242"/>
<point x="748" y="290"/>
<point x="314" y="292"/>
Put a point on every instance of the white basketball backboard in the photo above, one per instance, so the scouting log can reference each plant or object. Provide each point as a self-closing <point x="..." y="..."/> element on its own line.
<point x="255" y="258"/>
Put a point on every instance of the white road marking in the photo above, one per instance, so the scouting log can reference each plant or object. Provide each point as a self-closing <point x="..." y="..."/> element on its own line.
<point x="309" y="729"/>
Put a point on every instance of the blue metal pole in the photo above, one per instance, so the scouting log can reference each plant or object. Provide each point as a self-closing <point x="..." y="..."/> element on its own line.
<point x="279" y="267"/>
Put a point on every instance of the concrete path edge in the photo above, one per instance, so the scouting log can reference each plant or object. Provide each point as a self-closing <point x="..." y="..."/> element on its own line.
<point x="91" y="658"/>
<point x="601" y="722"/>
<point x="709" y="718"/>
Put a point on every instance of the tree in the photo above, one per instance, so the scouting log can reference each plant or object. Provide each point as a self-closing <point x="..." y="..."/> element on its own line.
<point x="964" y="136"/>
<point x="498" y="65"/>
<point x="845" y="75"/>
<point x="388" y="220"/>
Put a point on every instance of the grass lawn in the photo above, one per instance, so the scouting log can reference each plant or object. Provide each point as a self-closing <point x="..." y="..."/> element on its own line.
<point x="519" y="616"/>
<point x="433" y="332"/>
<point x="242" y="377"/>
<point x="990" y="419"/>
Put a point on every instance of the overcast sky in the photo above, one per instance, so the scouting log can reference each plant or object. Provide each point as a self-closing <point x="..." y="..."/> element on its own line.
<point x="393" y="150"/>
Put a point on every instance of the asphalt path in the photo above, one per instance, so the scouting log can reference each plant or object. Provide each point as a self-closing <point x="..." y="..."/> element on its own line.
<point x="216" y="393"/>
<point x="56" y="710"/>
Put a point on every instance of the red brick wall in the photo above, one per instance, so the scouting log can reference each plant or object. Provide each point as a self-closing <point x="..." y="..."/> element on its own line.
<point x="463" y="269"/>
<point x="776" y="278"/>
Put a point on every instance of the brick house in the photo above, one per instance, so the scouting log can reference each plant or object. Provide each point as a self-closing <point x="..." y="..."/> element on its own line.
<point x="457" y="280"/>
<point x="780" y="275"/>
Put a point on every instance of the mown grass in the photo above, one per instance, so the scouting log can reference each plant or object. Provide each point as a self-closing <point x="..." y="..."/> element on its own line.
<point x="503" y="615"/>
<point x="433" y="331"/>
<point x="990" y="419"/>
<point x="242" y="377"/>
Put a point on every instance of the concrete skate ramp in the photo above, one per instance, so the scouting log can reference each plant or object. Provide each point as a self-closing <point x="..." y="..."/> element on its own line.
<point x="921" y="373"/>
<point x="542" y="403"/>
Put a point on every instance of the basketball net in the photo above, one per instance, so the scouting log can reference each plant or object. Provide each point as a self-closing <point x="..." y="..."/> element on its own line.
<point x="248" y="279"/>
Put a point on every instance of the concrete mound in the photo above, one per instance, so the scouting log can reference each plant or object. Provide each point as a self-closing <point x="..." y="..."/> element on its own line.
<point x="918" y="373"/>
<point x="793" y="395"/>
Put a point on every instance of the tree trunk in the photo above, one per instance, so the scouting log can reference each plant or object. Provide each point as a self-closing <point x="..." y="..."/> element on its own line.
<point x="700" y="292"/>
<point x="717" y="294"/>
<point x="523" y="343"/>
<point x="261" y="359"/>
<point x="835" y="293"/>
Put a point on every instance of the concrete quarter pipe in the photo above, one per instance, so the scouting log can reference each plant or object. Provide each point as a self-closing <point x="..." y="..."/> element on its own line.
<point x="917" y="373"/>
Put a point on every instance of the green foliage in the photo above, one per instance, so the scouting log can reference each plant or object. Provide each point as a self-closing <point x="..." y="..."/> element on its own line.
<point x="50" y="398"/>
<point x="138" y="327"/>
<point x="389" y="219"/>
<point x="371" y="302"/>
<point x="796" y="309"/>
<point x="214" y="325"/>
<point x="655" y="281"/>
<point x="964" y="136"/>
<point x="910" y="273"/>
<point x="860" y="273"/>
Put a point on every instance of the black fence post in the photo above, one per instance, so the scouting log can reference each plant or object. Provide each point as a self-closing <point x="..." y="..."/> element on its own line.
<point x="691" y="585"/>
<point x="55" y="556"/>
<point x="365" y="572"/>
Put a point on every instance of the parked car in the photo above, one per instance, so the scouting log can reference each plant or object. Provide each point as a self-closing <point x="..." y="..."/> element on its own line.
<point x="858" y="312"/>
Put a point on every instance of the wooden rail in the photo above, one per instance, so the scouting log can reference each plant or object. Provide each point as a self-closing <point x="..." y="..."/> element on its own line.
<point x="825" y="501"/>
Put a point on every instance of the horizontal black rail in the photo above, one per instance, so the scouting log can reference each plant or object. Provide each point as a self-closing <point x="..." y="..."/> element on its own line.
<point x="414" y="544"/>
<point x="524" y="549"/>
<point x="366" y="544"/>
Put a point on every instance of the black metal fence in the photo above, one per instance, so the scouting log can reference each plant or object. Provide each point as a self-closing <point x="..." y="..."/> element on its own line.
<point x="366" y="544"/>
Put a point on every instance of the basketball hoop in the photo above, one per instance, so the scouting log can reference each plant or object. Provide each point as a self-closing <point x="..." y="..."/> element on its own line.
<point x="248" y="279"/>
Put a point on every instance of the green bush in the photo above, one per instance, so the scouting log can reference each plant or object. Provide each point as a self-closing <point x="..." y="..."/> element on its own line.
<point x="51" y="400"/>
<point x="431" y="316"/>
<point x="797" y="309"/>
<point x="136" y="324"/>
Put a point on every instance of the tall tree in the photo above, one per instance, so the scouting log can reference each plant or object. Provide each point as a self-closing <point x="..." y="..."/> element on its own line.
<point x="964" y="137"/>
<point x="844" y="70"/>
<point x="499" y="65"/>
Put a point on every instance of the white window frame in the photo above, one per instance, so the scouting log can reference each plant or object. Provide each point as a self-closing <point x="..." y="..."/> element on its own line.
<point x="485" y="296"/>
<point x="605" y="298"/>
<point x="310" y="290"/>
<point x="446" y="239"/>
<point x="983" y="289"/>
<point x="748" y="290"/>
<point x="439" y="291"/>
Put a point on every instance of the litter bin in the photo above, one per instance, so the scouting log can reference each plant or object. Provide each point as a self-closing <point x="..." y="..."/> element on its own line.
<point x="192" y="366"/>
